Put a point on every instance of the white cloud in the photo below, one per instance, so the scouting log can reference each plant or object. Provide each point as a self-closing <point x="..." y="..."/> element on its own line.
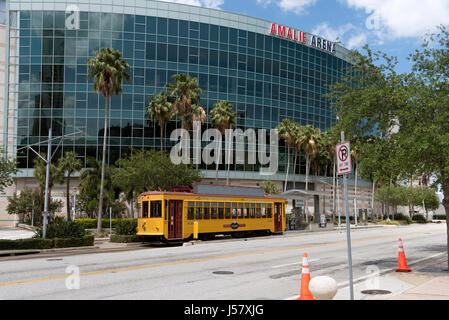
<point x="297" y="6"/>
<point x="214" y="4"/>
<point x="356" y="40"/>
<point x="403" y="18"/>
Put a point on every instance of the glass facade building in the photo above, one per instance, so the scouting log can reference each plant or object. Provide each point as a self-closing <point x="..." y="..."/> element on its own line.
<point x="235" y="58"/>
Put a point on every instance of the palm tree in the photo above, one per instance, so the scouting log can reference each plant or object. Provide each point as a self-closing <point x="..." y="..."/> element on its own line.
<point x="222" y="117"/>
<point x="108" y="69"/>
<point x="286" y="131"/>
<point x="330" y="141"/>
<point x="296" y="134"/>
<point x="69" y="163"/>
<point x="160" y="109"/>
<point x="308" y="142"/>
<point x="186" y="94"/>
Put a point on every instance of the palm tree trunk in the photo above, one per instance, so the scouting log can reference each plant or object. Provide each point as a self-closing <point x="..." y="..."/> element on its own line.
<point x="372" y="201"/>
<point x="68" y="196"/>
<point x="306" y="209"/>
<point x="228" y="160"/>
<point x="103" y="162"/>
<point x="288" y="167"/>
<point x="162" y="133"/>
<point x="294" y="168"/>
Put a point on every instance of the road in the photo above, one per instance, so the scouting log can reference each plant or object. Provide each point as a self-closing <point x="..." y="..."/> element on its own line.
<point x="256" y="268"/>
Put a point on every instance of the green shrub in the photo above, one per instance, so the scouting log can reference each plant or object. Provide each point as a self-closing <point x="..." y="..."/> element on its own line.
<point x="86" y="240"/>
<point x="126" y="227"/>
<point x="419" y="218"/>
<point x="118" y="238"/>
<point x="60" y="228"/>
<point x="22" y="244"/>
<point x="439" y="217"/>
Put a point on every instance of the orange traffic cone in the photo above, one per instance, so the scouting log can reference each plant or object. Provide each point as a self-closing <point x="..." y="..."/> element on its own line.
<point x="402" y="263"/>
<point x="305" y="279"/>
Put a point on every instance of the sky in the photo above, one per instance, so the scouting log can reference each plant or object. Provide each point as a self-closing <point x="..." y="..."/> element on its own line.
<point x="396" y="27"/>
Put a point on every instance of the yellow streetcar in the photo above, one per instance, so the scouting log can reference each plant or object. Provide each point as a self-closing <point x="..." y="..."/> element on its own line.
<point x="208" y="210"/>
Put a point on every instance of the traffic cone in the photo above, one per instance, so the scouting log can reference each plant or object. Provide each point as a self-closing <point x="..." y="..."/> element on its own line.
<point x="305" y="279"/>
<point x="402" y="263"/>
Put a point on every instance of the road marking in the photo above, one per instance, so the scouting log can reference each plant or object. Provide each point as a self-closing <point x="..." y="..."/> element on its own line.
<point x="172" y="263"/>
<point x="294" y="263"/>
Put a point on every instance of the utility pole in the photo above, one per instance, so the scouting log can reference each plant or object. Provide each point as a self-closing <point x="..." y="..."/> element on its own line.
<point x="47" y="178"/>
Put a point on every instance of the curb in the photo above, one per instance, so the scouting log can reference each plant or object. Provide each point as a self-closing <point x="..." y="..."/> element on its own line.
<point x="5" y="253"/>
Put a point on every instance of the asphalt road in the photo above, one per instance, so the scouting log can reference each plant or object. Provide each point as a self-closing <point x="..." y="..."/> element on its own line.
<point x="256" y="268"/>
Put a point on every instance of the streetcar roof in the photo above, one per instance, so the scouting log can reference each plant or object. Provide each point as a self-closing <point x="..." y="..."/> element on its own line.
<point x="190" y="194"/>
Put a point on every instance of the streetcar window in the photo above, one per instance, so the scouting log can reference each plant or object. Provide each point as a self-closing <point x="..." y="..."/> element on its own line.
<point x="269" y="212"/>
<point x="220" y="210"/>
<point x="252" y="210"/>
<point x="198" y="209"/>
<point x="144" y="209"/>
<point x="240" y="210"/>
<point x="234" y="210"/>
<point x="264" y="205"/>
<point x="156" y="209"/>
<point x="206" y="210"/>
<point x="213" y="210"/>
<point x="166" y="210"/>
<point x="191" y="210"/>
<point x="258" y="213"/>
<point x="228" y="210"/>
<point x="246" y="211"/>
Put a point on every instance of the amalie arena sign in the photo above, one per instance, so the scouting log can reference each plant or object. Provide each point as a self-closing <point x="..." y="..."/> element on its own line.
<point x="302" y="37"/>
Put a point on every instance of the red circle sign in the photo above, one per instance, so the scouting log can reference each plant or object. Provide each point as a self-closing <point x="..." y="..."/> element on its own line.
<point x="343" y="153"/>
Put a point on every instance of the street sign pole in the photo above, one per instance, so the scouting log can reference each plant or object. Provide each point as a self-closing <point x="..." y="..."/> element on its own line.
<point x="348" y="227"/>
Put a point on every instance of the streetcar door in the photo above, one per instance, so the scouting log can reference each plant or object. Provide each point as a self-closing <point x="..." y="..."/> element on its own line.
<point x="175" y="219"/>
<point x="277" y="217"/>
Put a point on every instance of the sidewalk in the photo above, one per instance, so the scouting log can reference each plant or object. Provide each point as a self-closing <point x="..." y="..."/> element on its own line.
<point x="428" y="280"/>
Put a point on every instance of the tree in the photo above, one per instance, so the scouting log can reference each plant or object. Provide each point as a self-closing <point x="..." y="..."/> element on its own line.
<point x="69" y="163"/>
<point x="409" y="109"/>
<point x="108" y="69"/>
<point x="160" y="109"/>
<point x="286" y="131"/>
<point x="90" y="184"/>
<point x="148" y="170"/>
<point x="308" y="139"/>
<point x="270" y="187"/>
<point x="8" y="167"/>
<point x="185" y="93"/>
<point x="223" y="117"/>
<point x="40" y="171"/>
<point x="28" y="205"/>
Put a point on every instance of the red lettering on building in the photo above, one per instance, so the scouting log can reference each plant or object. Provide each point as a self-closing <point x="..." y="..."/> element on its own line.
<point x="273" y="29"/>
<point x="281" y="31"/>
<point x="289" y="33"/>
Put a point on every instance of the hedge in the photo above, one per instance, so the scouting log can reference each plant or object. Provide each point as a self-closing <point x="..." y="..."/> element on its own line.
<point x="92" y="223"/>
<point x="419" y="218"/>
<point x="39" y="243"/>
<point x="124" y="238"/>
<point x="439" y="217"/>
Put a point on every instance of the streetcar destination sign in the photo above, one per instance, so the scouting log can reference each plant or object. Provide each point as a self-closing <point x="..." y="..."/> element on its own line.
<point x="343" y="158"/>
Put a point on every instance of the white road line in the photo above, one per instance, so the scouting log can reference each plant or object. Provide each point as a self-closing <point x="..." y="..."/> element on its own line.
<point x="294" y="263"/>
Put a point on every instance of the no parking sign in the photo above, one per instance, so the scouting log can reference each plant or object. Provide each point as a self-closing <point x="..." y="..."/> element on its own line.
<point x="343" y="158"/>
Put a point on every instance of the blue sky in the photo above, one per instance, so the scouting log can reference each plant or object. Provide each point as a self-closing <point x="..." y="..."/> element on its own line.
<point x="396" y="27"/>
